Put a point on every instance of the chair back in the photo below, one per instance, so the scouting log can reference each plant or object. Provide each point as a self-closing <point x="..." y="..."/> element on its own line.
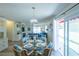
<point x="47" y="52"/>
<point x="24" y="53"/>
<point x="15" y="52"/>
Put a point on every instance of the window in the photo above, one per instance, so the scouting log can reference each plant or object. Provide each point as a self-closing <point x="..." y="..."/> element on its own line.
<point x="36" y="29"/>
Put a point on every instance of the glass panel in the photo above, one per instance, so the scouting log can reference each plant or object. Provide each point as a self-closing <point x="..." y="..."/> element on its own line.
<point x="60" y="33"/>
<point x="74" y="37"/>
<point x="1" y="35"/>
<point x="1" y="23"/>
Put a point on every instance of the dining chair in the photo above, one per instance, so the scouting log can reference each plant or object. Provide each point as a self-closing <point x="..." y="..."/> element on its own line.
<point x="16" y="53"/>
<point x="47" y="51"/>
<point x="26" y="53"/>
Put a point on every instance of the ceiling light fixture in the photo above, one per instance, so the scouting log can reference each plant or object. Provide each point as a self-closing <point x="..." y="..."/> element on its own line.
<point x="33" y="20"/>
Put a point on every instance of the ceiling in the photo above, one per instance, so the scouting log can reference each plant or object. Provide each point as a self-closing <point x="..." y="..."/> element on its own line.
<point x="23" y="11"/>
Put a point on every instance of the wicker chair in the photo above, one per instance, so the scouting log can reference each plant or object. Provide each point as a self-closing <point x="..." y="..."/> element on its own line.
<point x="16" y="53"/>
<point x="25" y="53"/>
<point x="47" y="51"/>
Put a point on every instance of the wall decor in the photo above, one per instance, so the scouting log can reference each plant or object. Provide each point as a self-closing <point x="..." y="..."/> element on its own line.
<point x="28" y="29"/>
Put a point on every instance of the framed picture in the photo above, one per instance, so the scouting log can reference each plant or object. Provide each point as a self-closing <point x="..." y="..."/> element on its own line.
<point x="28" y="29"/>
<point x="18" y="27"/>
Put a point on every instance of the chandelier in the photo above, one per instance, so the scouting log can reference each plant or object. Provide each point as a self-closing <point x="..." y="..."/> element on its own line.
<point x="33" y="20"/>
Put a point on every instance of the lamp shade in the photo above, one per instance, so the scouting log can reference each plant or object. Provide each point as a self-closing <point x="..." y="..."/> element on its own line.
<point x="33" y="21"/>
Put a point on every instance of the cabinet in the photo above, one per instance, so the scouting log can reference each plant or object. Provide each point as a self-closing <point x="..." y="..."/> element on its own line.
<point x="3" y="36"/>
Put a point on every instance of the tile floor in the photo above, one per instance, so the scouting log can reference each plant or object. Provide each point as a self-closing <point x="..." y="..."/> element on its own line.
<point x="9" y="51"/>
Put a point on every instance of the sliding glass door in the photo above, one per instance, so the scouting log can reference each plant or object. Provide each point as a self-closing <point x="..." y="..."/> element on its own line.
<point x="67" y="37"/>
<point x="73" y="37"/>
<point x="60" y="35"/>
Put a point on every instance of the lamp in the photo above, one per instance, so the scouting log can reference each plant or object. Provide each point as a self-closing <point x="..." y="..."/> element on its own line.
<point x="33" y="20"/>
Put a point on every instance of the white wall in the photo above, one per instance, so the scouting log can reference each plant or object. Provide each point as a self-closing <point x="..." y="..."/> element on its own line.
<point x="55" y="41"/>
<point x="10" y="29"/>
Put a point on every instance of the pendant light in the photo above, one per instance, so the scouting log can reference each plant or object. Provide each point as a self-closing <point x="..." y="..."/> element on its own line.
<point x="33" y="20"/>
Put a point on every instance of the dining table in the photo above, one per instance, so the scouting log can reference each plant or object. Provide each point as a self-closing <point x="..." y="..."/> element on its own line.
<point x="37" y="45"/>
